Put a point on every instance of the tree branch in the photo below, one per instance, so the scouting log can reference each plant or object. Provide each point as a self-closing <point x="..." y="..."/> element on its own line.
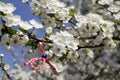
<point x="7" y="74"/>
<point x="50" y="41"/>
<point x="116" y="38"/>
<point x="91" y="37"/>
<point x="95" y="46"/>
<point x="38" y="40"/>
<point x="7" y="31"/>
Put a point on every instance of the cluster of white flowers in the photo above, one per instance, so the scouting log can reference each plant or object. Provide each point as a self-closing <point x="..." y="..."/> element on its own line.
<point x="93" y="25"/>
<point x="105" y="2"/>
<point x="110" y="45"/>
<point x="11" y="20"/>
<point x="88" y="25"/>
<point x="113" y="8"/>
<point x="86" y="52"/>
<point x="117" y="16"/>
<point x="74" y="44"/>
<point x="25" y="74"/>
<point x="52" y="11"/>
<point x="6" y="41"/>
<point x="63" y="40"/>
<point x="14" y="39"/>
<point x="42" y="8"/>
<point x="20" y="73"/>
<point x="7" y="8"/>
<point x="15" y="20"/>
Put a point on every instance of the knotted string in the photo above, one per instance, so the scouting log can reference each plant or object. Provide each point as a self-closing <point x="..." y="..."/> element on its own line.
<point x="43" y="58"/>
<point x="41" y="47"/>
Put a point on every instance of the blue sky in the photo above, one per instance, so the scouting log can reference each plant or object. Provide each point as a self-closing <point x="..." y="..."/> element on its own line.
<point x="24" y="11"/>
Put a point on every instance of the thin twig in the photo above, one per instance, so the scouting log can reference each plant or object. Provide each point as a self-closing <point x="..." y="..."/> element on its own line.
<point x="116" y="38"/>
<point x="7" y="74"/>
<point x="90" y="37"/>
<point x="95" y="46"/>
<point x="38" y="40"/>
<point x="7" y="31"/>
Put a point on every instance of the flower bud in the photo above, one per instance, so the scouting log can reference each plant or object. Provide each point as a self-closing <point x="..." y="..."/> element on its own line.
<point x="1" y="55"/>
<point x="6" y="67"/>
<point x="29" y="51"/>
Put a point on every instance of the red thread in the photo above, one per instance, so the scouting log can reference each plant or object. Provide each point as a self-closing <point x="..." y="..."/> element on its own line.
<point x="41" y="47"/>
<point x="32" y="61"/>
<point x="52" y="67"/>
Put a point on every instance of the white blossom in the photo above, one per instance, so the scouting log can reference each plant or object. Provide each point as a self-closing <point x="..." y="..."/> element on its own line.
<point x="118" y="27"/>
<point x="58" y="49"/>
<point x="8" y="47"/>
<point x="63" y="15"/>
<point x="18" y="40"/>
<point x="48" y="30"/>
<point x="93" y="27"/>
<point x="108" y="28"/>
<point x="92" y="17"/>
<point x="49" y="21"/>
<point x="25" y="1"/>
<point x="65" y="38"/>
<point x="72" y="54"/>
<point x="62" y="40"/>
<point x="59" y="67"/>
<point x="29" y="51"/>
<point x="7" y="8"/>
<point x="90" y="53"/>
<point x="117" y="16"/>
<point x="99" y="39"/>
<point x="114" y="8"/>
<point x="11" y="20"/>
<point x="1" y="55"/>
<point x="71" y="43"/>
<point x="109" y="45"/>
<point x="25" y="25"/>
<point x="20" y="73"/>
<point x="105" y="2"/>
<point x="6" y="66"/>
<point x="24" y="39"/>
<point x="6" y="41"/>
<point x="36" y="24"/>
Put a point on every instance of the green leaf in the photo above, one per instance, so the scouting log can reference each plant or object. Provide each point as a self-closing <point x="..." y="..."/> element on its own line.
<point x="72" y="12"/>
<point x="8" y="30"/>
<point x="31" y="43"/>
<point x="104" y="25"/>
<point x="51" y="15"/>
<point x="2" y="14"/>
<point x="116" y="21"/>
<point x="23" y="30"/>
<point x="85" y="50"/>
<point x="11" y="31"/>
<point x="46" y="37"/>
<point x="115" y="41"/>
<point x="48" y="47"/>
<point x="63" y="57"/>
